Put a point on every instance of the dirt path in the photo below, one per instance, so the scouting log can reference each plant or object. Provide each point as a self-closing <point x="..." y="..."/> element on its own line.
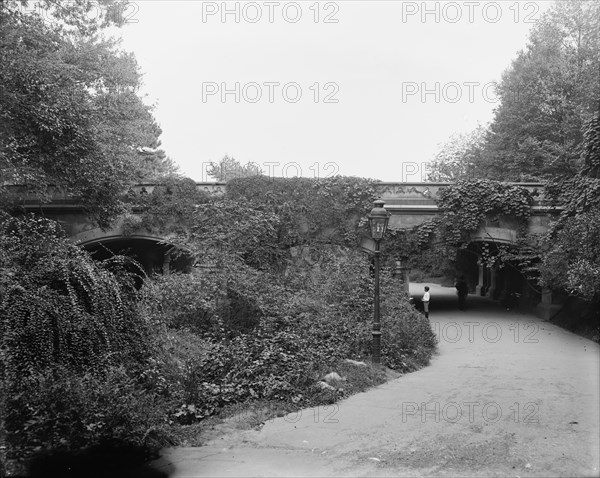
<point x="507" y="395"/>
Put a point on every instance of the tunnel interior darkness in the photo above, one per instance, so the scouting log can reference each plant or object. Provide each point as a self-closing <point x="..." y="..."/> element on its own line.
<point x="153" y="256"/>
<point x="506" y="285"/>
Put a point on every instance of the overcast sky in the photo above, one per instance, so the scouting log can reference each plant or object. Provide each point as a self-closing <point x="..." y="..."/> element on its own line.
<point x="357" y="88"/>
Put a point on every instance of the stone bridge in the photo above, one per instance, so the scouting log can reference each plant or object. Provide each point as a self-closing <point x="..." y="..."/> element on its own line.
<point x="410" y="204"/>
<point x="414" y="203"/>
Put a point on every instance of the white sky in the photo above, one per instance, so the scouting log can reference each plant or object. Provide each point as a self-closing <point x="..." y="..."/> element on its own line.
<point x="376" y="51"/>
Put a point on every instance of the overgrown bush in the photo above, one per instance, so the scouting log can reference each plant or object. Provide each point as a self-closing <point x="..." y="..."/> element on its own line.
<point x="407" y="338"/>
<point x="256" y="320"/>
<point x="60" y="307"/>
<point x="212" y="301"/>
<point x="301" y="329"/>
<point x="72" y="346"/>
<point x="572" y="258"/>
<point x="572" y="261"/>
<point x="59" y="410"/>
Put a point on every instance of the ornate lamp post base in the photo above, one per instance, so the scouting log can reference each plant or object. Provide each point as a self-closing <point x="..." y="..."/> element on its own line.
<point x="376" y="346"/>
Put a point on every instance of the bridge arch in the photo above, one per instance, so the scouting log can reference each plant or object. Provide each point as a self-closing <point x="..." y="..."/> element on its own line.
<point x="505" y="282"/>
<point x="495" y="235"/>
<point x="153" y="253"/>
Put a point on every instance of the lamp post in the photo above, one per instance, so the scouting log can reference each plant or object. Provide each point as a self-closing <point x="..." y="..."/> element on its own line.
<point x="378" y="222"/>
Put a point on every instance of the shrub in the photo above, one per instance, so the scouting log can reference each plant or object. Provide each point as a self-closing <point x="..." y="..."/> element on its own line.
<point x="73" y="346"/>
<point x="572" y="259"/>
<point x="264" y="319"/>
<point x="181" y="301"/>
<point x="407" y="338"/>
<point x="59" y="410"/>
<point x="212" y="301"/>
<point x="211" y="362"/>
<point x="58" y="306"/>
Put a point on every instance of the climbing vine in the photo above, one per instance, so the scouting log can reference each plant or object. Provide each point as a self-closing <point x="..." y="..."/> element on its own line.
<point x="572" y="251"/>
<point x="465" y="207"/>
<point x="329" y="210"/>
<point x="168" y="207"/>
<point x="324" y="210"/>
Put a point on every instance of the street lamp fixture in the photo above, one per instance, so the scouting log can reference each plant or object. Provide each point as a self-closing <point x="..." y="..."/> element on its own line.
<point x="378" y="222"/>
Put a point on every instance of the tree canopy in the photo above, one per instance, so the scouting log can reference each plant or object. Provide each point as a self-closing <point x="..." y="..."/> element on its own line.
<point x="572" y="258"/>
<point x="230" y="168"/>
<point x="457" y="157"/>
<point x="546" y="97"/>
<point x="70" y="111"/>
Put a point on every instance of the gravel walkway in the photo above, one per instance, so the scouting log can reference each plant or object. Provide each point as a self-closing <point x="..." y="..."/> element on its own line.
<point x="507" y="395"/>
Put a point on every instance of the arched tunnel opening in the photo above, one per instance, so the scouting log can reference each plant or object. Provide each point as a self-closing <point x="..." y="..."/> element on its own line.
<point x="507" y="285"/>
<point x="149" y="256"/>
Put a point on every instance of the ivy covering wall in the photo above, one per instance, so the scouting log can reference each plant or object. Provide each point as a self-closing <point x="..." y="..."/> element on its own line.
<point x="464" y="207"/>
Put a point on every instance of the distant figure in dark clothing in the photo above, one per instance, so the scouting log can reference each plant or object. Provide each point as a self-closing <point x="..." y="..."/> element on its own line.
<point x="462" y="289"/>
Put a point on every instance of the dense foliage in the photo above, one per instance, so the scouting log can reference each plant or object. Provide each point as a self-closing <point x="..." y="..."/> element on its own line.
<point x="330" y="210"/>
<point x="225" y="230"/>
<point x="467" y="204"/>
<point x="278" y="297"/>
<point x="258" y="219"/>
<point x="546" y="97"/>
<point x="63" y="308"/>
<point x="73" y="345"/>
<point x="465" y="207"/>
<point x="168" y="207"/>
<point x="230" y="168"/>
<point x="272" y="305"/>
<point x="572" y="258"/>
<point x="70" y="114"/>
<point x="273" y="337"/>
<point x="545" y="128"/>
<point x="457" y="157"/>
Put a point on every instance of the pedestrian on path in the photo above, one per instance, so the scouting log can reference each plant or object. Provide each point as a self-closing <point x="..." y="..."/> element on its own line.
<point x="425" y="300"/>
<point x="462" y="289"/>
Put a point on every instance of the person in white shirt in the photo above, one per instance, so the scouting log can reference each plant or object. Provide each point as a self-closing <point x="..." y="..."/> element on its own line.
<point x="425" y="300"/>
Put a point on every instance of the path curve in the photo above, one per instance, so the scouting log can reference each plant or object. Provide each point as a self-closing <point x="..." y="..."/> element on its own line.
<point x="507" y="395"/>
